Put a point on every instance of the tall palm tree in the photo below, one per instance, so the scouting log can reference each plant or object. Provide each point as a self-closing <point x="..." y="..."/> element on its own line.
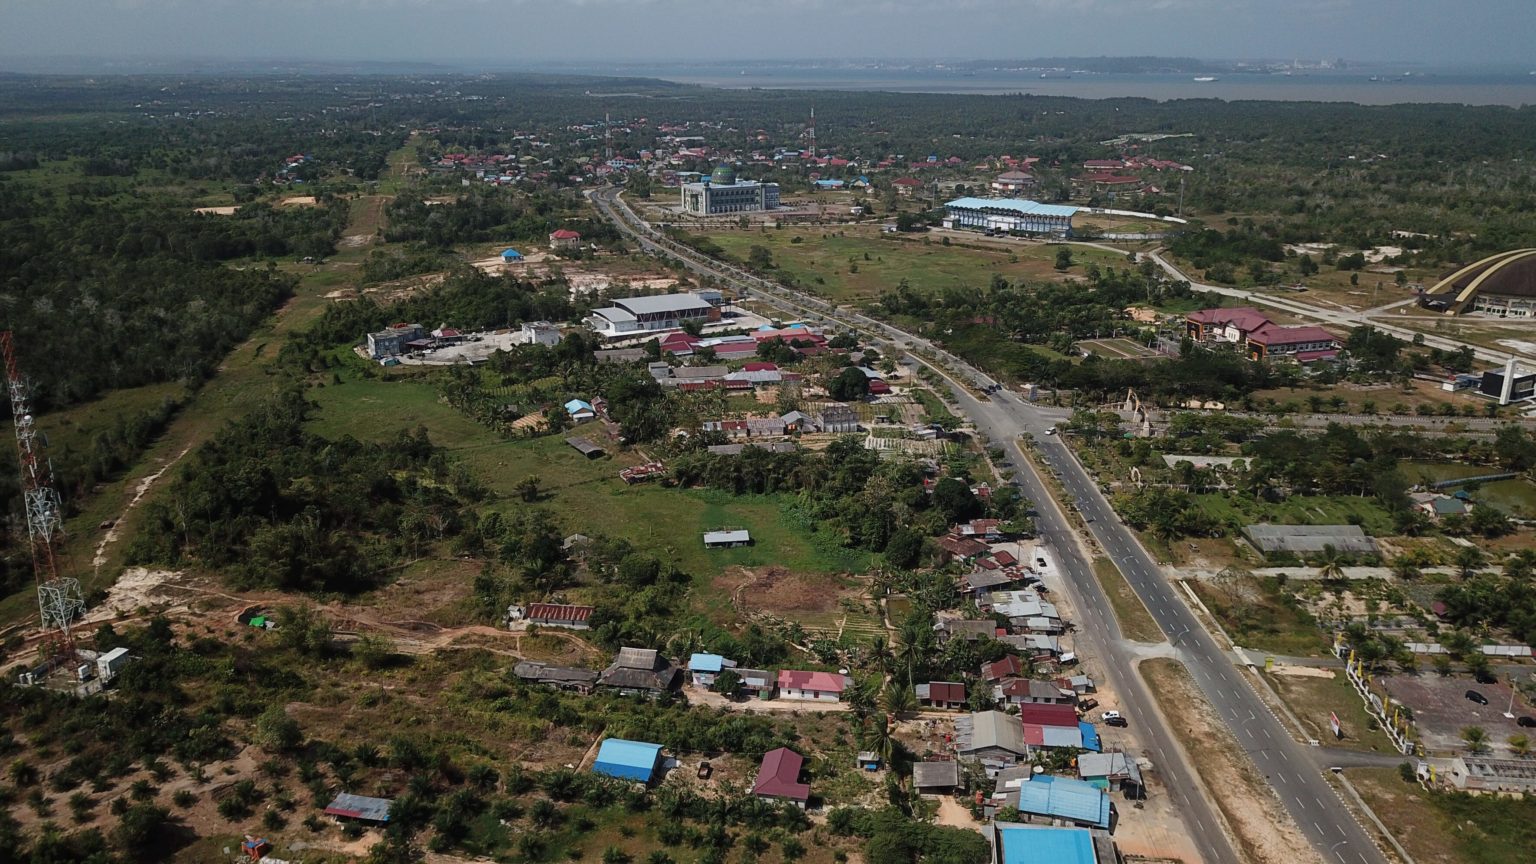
<point x="898" y="699"/>
<point x="1405" y="568"/>
<point x="1469" y="559"/>
<point x="880" y="656"/>
<point x="1330" y="565"/>
<point x="876" y="737"/>
<point x="1520" y="745"/>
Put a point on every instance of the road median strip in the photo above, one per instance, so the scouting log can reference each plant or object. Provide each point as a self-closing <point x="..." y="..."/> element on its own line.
<point x="1254" y="816"/>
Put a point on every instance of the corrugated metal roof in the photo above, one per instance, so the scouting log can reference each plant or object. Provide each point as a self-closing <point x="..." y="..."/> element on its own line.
<point x="779" y="775"/>
<point x="1065" y="798"/>
<point x="739" y="536"/>
<point x="630" y="754"/>
<point x="1045" y="844"/>
<point x="1021" y="206"/>
<point x="929" y="775"/>
<point x="661" y="304"/>
<point x="360" y="807"/>
<point x="558" y="612"/>
<point x="706" y="663"/>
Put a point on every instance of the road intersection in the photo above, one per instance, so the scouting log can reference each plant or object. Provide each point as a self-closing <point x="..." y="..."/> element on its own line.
<point x="1292" y="771"/>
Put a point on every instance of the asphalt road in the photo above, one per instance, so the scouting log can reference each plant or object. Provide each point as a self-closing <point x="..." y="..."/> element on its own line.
<point x="1288" y="766"/>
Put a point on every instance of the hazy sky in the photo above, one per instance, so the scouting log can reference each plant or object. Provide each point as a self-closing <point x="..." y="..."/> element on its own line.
<point x="1454" y="32"/>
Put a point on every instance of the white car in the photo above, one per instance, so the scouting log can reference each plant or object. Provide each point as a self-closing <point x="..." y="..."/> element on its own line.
<point x="1110" y="715"/>
<point x="1051" y="431"/>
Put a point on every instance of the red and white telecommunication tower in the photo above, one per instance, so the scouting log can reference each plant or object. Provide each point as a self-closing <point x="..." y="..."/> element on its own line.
<point x="59" y="598"/>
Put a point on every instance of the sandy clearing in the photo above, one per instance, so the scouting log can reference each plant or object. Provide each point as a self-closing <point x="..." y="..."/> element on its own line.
<point x="299" y="201"/>
<point x="1301" y="671"/>
<point x="216" y="211"/>
<point x="955" y="815"/>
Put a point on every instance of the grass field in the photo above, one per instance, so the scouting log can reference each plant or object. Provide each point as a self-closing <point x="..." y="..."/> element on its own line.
<point x="838" y="260"/>
<point x="586" y="494"/>
<point x="1516" y="497"/>
<point x="1314" y="698"/>
<point x="1256" y="614"/>
<point x="1298" y="510"/>
<point x="1449" y="828"/>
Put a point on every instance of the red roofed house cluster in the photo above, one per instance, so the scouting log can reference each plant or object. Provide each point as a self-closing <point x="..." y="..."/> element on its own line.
<point x="1259" y="337"/>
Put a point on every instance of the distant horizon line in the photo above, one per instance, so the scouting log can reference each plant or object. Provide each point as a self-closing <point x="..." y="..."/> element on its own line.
<point x="19" y="63"/>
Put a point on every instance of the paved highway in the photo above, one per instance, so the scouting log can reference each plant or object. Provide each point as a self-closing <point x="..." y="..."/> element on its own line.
<point x="1291" y="770"/>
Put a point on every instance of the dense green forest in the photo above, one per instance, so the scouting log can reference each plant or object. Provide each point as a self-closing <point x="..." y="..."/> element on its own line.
<point x="275" y="506"/>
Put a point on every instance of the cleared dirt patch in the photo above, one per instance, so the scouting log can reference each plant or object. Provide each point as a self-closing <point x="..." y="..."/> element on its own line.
<point x="776" y="591"/>
<point x="1264" y="831"/>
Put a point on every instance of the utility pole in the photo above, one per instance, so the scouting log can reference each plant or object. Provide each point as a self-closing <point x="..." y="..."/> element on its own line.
<point x="59" y="598"/>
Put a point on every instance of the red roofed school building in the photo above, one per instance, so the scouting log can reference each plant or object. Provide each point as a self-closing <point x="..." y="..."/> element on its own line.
<point x="564" y="238"/>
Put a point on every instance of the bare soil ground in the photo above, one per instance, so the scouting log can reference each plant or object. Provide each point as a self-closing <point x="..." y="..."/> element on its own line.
<point x="1261" y="827"/>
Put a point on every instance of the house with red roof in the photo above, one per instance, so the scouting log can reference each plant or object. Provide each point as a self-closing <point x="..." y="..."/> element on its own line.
<point x="1224" y="325"/>
<point x="1008" y="667"/>
<point x="778" y="778"/>
<point x="1048" y="714"/>
<point x="564" y="238"/>
<point x="812" y="686"/>
<point x="947" y="695"/>
<point x="906" y="186"/>
<point x="558" y="615"/>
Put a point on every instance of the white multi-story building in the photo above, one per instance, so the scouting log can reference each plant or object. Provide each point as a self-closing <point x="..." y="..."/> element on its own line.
<point x="633" y="315"/>
<point x="723" y="193"/>
<point x="1009" y="215"/>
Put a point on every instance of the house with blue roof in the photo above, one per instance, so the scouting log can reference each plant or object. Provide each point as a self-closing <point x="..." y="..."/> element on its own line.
<point x="829" y="183"/>
<point x="1015" y="843"/>
<point x="1046" y="798"/>
<point x="1066" y="799"/>
<point x="628" y="760"/>
<point x="705" y="668"/>
<point x="1009" y="216"/>
<point x="580" y="410"/>
<point x="511" y="256"/>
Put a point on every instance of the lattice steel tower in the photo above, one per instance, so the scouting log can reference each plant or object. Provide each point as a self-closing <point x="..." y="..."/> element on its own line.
<point x="59" y="598"/>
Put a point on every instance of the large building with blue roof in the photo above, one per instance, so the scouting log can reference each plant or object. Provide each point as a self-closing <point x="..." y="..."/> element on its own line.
<point x="1009" y="215"/>
<point x="628" y="760"/>
<point x="1013" y="843"/>
<point x="1058" y="799"/>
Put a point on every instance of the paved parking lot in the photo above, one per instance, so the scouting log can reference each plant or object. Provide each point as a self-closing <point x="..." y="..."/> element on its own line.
<point x="1441" y="710"/>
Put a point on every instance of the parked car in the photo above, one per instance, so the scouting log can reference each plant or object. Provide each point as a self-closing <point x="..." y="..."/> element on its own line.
<point x="1113" y="718"/>
<point x="1086" y="705"/>
<point x="1526" y="721"/>
<point x="1474" y="696"/>
<point x="705" y="769"/>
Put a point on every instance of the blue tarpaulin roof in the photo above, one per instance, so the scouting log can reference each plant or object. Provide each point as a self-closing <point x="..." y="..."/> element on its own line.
<point x="511" y="253"/>
<point x="1042" y="844"/>
<point x="1090" y="736"/>
<point x="1065" y="798"/>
